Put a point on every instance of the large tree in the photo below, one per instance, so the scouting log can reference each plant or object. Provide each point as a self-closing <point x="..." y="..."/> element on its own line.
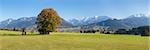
<point x="48" y="21"/>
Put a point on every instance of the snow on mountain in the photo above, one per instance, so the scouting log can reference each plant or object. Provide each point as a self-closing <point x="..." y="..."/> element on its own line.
<point x="88" y="20"/>
<point x="96" y="19"/>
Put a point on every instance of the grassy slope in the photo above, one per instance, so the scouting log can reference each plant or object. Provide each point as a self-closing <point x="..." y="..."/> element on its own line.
<point x="10" y="40"/>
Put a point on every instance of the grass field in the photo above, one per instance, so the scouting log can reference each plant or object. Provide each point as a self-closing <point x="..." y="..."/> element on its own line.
<point x="10" y="40"/>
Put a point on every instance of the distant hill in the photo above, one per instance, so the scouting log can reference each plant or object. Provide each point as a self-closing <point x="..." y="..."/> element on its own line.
<point x="26" y="22"/>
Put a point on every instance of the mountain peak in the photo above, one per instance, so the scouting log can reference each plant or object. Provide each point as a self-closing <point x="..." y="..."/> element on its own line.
<point x="96" y="16"/>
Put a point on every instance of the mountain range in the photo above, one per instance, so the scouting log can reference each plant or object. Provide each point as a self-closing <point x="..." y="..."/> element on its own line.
<point x="126" y="23"/>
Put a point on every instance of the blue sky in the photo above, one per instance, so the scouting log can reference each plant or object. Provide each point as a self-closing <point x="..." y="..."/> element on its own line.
<point x="68" y="9"/>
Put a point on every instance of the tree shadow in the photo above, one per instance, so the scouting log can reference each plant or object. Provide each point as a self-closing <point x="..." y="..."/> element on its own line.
<point x="19" y="34"/>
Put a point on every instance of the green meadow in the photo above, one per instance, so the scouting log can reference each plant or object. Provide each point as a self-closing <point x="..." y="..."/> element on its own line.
<point x="11" y="40"/>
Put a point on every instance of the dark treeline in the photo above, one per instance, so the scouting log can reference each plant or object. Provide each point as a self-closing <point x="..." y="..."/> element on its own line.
<point x="11" y="29"/>
<point x="142" y="30"/>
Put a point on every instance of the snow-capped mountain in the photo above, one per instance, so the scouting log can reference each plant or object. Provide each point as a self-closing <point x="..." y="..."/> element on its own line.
<point x="96" y="19"/>
<point x="88" y="20"/>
